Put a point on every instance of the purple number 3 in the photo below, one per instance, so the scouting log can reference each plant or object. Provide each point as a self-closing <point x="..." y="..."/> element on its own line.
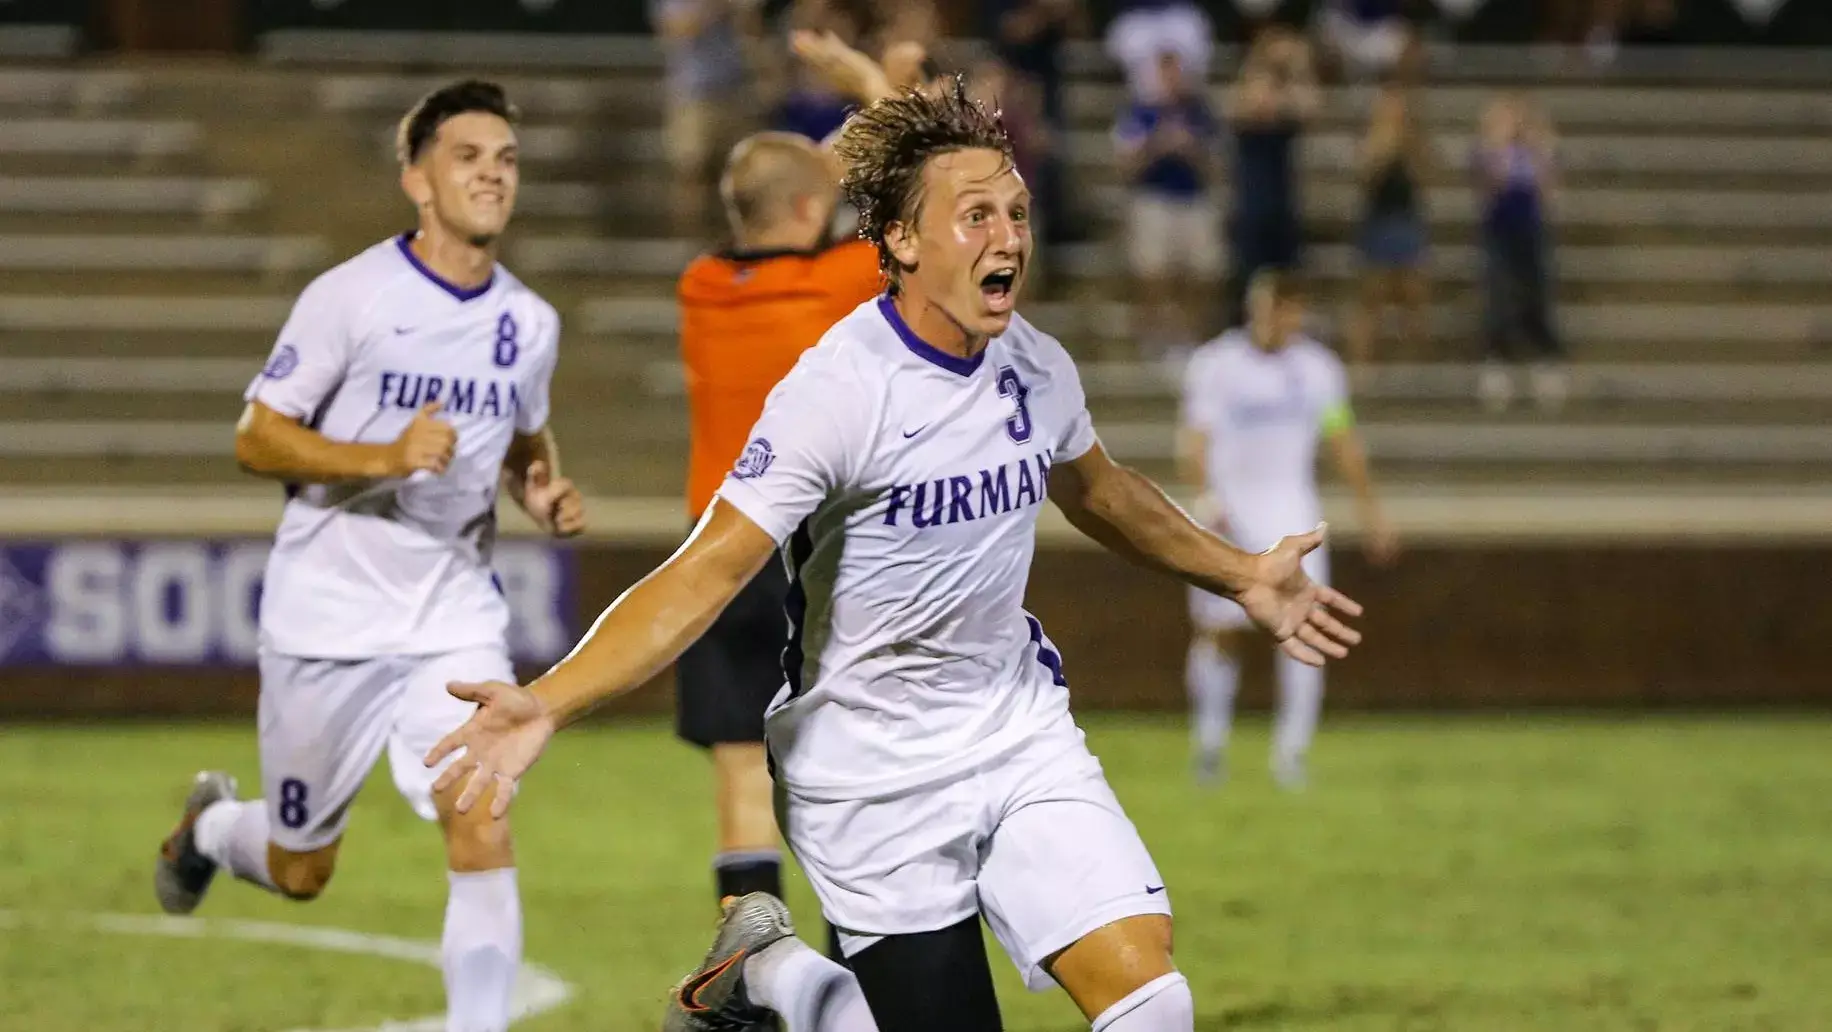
<point x="1010" y="386"/>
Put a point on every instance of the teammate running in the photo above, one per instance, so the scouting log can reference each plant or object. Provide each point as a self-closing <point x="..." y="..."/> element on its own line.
<point x="408" y="387"/>
<point x="928" y="768"/>
<point x="1256" y="403"/>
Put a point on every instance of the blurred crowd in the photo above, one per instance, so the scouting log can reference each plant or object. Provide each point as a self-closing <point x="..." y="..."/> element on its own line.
<point x="1208" y="157"/>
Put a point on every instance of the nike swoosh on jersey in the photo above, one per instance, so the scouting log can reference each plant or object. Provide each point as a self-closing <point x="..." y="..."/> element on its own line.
<point x="907" y="434"/>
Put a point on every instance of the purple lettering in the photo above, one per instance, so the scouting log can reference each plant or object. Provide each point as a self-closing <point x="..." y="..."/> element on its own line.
<point x="463" y="397"/>
<point x="405" y="399"/>
<point x="1027" y="487"/>
<point x="995" y="492"/>
<point x="960" y="499"/>
<point x="899" y="494"/>
<point x="933" y="516"/>
<point x="388" y="379"/>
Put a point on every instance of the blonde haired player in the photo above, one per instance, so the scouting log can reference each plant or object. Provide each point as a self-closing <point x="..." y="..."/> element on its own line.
<point x="408" y="387"/>
<point x="928" y="770"/>
<point x="1257" y="401"/>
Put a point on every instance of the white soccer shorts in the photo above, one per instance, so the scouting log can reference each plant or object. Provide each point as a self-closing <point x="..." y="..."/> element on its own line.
<point x="324" y="722"/>
<point x="1037" y="842"/>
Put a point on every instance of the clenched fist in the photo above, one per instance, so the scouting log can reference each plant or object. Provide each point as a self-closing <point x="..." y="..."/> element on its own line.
<point x="427" y="443"/>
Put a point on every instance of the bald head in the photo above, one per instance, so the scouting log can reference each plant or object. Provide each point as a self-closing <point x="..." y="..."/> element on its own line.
<point x="777" y="186"/>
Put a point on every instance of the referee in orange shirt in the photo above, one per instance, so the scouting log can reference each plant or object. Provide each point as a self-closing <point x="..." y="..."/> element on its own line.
<point x="747" y="315"/>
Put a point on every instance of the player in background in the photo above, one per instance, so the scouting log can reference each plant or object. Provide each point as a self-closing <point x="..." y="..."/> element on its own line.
<point x="747" y="314"/>
<point x="408" y="387"/>
<point x="1256" y="403"/>
<point x="928" y="768"/>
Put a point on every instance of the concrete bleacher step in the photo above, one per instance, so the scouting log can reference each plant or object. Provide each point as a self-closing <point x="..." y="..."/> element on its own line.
<point x="152" y="314"/>
<point x="1450" y="414"/>
<point x="191" y="252"/>
<point x="201" y="198"/>
<point x="250" y="346"/>
<point x="93" y="409"/>
<point x="103" y="377"/>
<point x="1646" y="445"/>
<point x="1573" y="109"/>
<point x="1802" y="328"/>
<point x="115" y="139"/>
<point x="57" y="90"/>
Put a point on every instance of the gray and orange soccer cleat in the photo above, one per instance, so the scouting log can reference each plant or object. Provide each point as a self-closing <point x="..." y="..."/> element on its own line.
<point x="712" y="999"/>
<point x="183" y="873"/>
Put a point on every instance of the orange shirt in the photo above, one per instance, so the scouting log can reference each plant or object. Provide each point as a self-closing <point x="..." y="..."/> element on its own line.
<point x="745" y="320"/>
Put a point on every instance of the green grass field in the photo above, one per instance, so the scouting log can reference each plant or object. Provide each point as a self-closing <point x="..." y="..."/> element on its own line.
<point x="1555" y="875"/>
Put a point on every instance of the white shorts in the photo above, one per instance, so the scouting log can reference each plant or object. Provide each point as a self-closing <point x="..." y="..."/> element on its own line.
<point x="1168" y="236"/>
<point x="1214" y="613"/>
<point x="323" y="723"/>
<point x="1037" y="842"/>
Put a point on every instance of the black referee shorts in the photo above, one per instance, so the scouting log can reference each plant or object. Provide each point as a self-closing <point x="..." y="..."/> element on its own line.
<point x="725" y="681"/>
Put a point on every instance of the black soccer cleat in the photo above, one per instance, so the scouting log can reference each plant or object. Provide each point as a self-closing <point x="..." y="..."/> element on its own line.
<point x="183" y="874"/>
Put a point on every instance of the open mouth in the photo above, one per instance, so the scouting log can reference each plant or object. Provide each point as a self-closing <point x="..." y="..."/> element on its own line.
<point x="996" y="286"/>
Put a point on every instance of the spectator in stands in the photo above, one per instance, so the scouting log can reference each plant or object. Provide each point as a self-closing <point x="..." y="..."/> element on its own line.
<point x="1365" y="39"/>
<point x="810" y="106"/>
<point x="708" y="101"/>
<point x="1141" y="30"/>
<point x="1030" y="37"/>
<point x="1514" y="177"/>
<point x="905" y="21"/>
<point x="1267" y="110"/>
<point x="1393" y="167"/>
<point x="992" y="82"/>
<point x="1169" y="148"/>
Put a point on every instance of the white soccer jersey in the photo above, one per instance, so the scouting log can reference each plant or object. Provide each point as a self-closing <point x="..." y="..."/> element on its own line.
<point x="1263" y="414"/>
<point x="396" y="567"/>
<point x="905" y="485"/>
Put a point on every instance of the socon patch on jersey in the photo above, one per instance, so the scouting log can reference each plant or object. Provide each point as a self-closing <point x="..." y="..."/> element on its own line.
<point x="755" y="461"/>
<point x="282" y="364"/>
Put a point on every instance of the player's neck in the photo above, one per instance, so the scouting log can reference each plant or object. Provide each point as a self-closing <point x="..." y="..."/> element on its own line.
<point x="458" y="262"/>
<point x="783" y="238"/>
<point x="935" y="327"/>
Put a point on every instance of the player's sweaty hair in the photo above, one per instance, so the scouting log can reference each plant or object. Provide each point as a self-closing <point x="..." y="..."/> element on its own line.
<point x="886" y="146"/>
<point x="417" y="130"/>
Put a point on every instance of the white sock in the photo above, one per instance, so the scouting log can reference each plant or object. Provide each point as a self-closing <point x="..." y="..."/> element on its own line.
<point x="1212" y="676"/>
<point x="482" y="949"/>
<point x="812" y="993"/>
<point x="1300" y="702"/>
<point x="234" y="834"/>
<point x="1163" y="1004"/>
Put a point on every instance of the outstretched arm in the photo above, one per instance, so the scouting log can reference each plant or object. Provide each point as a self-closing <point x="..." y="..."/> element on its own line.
<point x="646" y="629"/>
<point x="1131" y="516"/>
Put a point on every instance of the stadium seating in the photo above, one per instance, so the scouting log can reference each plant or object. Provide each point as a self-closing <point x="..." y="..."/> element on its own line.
<point x="155" y="224"/>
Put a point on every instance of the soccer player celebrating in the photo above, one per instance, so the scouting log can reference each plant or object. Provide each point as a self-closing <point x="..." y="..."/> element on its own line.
<point x="928" y="769"/>
<point x="1256" y="403"/>
<point x="409" y="386"/>
<point x="747" y="314"/>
